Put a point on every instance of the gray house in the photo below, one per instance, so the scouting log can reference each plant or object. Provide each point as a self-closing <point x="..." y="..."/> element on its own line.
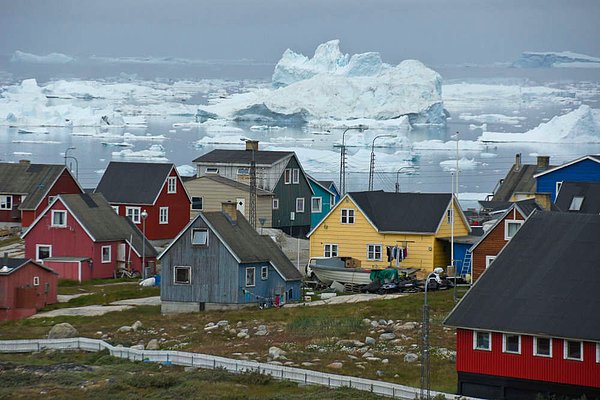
<point x="219" y="261"/>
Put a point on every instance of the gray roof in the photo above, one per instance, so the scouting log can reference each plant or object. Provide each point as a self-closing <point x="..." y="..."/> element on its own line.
<point x="544" y="282"/>
<point x="32" y="180"/>
<point x="101" y="221"/>
<point x="403" y="212"/>
<point x="528" y="206"/>
<point x="133" y="183"/>
<point x="234" y="184"/>
<point x="248" y="245"/>
<point x="590" y="191"/>
<point x="221" y="156"/>
<point x="517" y="181"/>
<point x="16" y="263"/>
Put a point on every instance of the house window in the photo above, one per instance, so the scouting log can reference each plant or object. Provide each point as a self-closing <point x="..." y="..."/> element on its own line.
<point x="264" y="273"/>
<point x="116" y="208"/>
<point x="331" y="250"/>
<point x="482" y="340"/>
<point x="163" y="215"/>
<point x="182" y="275"/>
<point x="197" y="203"/>
<point x="598" y="352"/>
<point x="287" y="176"/>
<point x="573" y="350"/>
<point x="43" y="251"/>
<point x="511" y="343"/>
<point x="290" y="294"/>
<point x="295" y="176"/>
<point x="489" y="260"/>
<point x="511" y="227"/>
<point x="292" y="216"/>
<point x="542" y="347"/>
<point x="200" y="237"/>
<point x="300" y="205"/>
<point x="6" y="202"/>
<point x="105" y="254"/>
<point x="347" y="216"/>
<point x="250" y="276"/>
<point x="558" y="186"/>
<point x="50" y="199"/>
<point x="316" y="204"/>
<point x="36" y="281"/>
<point x="275" y="204"/>
<point x="243" y="171"/>
<point x="576" y="203"/>
<point x="211" y="170"/>
<point x="172" y="184"/>
<point x="133" y="213"/>
<point x="59" y="218"/>
<point x="374" y="252"/>
<point x="449" y="216"/>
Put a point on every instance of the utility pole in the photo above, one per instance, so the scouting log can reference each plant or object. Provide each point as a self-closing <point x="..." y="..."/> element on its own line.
<point x="253" y="191"/>
<point x="359" y="128"/>
<point x="372" y="165"/>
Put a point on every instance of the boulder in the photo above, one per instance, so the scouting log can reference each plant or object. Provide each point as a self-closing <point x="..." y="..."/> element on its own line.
<point x="153" y="345"/>
<point x="336" y="365"/>
<point x="387" y="336"/>
<point x="137" y="347"/>
<point x="408" y="326"/>
<point x="62" y="331"/>
<point x="369" y="340"/>
<point x="410" y="357"/>
<point x="276" y="352"/>
<point x="124" y="329"/>
<point x="137" y="325"/>
<point x="222" y="323"/>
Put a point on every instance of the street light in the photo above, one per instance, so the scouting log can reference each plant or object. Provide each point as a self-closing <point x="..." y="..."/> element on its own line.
<point x="425" y="385"/>
<point x="144" y="215"/>
<point x="372" y="166"/>
<point x="72" y="158"/>
<point x="412" y="169"/>
<point x="359" y="128"/>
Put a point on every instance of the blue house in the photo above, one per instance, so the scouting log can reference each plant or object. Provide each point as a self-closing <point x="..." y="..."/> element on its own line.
<point x="321" y="202"/>
<point x="583" y="169"/>
<point x="330" y="185"/>
<point x="218" y="261"/>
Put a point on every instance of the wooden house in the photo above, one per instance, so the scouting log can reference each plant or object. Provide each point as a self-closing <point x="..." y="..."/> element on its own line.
<point x="529" y="327"/>
<point x="579" y="197"/>
<point x="278" y="172"/>
<point x="363" y="224"/>
<point x="330" y="185"/>
<point x="27" y="189"/>
<point x="209" y="192"/>
<point x="81" y="237"/>
<point x="520" y="182"/>
<point x="321" y="202"/>
<point x="132" y="188"/>
<point x="493" y="241"/>
<point x="219" y="261"/>
<point x="25" y="287"/>
<point x="582" y="169"/>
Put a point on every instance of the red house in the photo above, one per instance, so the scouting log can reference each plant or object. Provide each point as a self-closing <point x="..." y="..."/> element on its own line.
<point x="530" y="325"/>
<point x="493" y="241"/>
<point x="132" y="188"/>
<point x="25" y="287"/>
<point x="27" y="189"/>
<point x="81" y="237"/>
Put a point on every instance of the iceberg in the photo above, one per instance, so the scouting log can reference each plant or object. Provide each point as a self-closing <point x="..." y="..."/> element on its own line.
<point x="52" y="58"/>
<point x="532" y="59"/>
<point x="332" y="86"/>
<point x="186" y="170"/>
<point x="578" y="126"/>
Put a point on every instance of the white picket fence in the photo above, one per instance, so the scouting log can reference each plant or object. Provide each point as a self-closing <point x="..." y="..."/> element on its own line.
<point x="210" y="362"/>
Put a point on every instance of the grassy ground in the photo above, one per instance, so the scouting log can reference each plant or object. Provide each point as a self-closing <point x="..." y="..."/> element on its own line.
<point x="308" y="334"/>
<point x="92" y="376"/>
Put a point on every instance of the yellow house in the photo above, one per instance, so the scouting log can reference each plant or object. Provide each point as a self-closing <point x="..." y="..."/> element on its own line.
<point x="363" y="224"/>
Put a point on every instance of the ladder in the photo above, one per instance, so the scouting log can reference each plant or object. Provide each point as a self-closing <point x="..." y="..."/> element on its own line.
<point x="466" y="264"/>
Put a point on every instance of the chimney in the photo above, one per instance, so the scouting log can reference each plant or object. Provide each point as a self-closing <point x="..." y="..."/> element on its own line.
<point x="543" y="162"/>
<point x="543" y="199"/>
<point x="518" y="162"/>
<point x="25" y="162"/>
<point x="230" y="210"/>
<point x="252" y="145"/>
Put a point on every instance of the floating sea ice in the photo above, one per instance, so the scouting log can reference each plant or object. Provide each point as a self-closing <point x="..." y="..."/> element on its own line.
<point x="463" y="164"/>
<point x="186" y="124"/>
<point x="33" y="131"/>
<point x="482" y="127"/>
<point x="463" y="145"/>
<point x="172" y="131"/>
<point x="135" y="121"/>
<point x="221" y="139"/>
<point x="147" y="137"/>
<point x="155" y="153"/>
<point x="266" y="128"/>
<point x="491" y="118"/>
<point x="186" y="170"/>
<point x="21" y="153"/>
<point x="117" y="144"/>
<point x="35" y="142"/>
<point x="488" y="155"/>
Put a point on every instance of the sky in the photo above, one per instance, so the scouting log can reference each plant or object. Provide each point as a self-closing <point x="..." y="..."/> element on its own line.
<point x="433" y="31"/>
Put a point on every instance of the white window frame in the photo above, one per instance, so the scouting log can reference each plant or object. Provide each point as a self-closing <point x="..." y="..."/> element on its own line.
<point x="331" y="249"/>
<point x="172" y="184"/>
<point x="299" y="204"/>
<point x="6" y="202"/>
<point x="578" y="206"/>
<point x="199" y="244"/>
<point x="557" y="187"/>
<point x="287" y="176"/>
<point x="116" y="208"/>
<point x="136" y="214"/>
<point x="535" y="347"/>
<point x="475" y="341"/>
<point x="566" y="350"/>
<point x="504" y="340"/>
<point x="295" y="176"/>
<point x="372" y="248"/>
<point x="275" y="203"/>
<point x="50" y="199"/>
<point x="292" y="216"/>
<point x="350" y="216"/>
<point x="598" y="352"/>
<point x="489" y="260"/>
<point x="253" y="269"/>
<point x="188" y="268"/>
<point x="105" y="261"/>
<point x="58" y="212"/>
<point x="37" y="251"/>
<point x="511" y="221"/>
<point x="264" y="273"/>
<point x="312" y="206"/>
<point x="201" y="203"/>
<point x="163" y="215"/>
<point x="36" y="281"/>
<point x="211" y="170"/>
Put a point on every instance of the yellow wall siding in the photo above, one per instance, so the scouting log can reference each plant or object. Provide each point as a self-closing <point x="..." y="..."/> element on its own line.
<point x="441" y="253"/>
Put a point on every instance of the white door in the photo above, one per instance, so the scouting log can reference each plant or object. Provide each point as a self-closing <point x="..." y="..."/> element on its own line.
<point x="241" y="205"/>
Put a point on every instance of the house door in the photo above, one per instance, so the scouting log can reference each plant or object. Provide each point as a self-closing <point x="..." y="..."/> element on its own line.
<point x="241" y="205"/>
<point x="121" y="256"/>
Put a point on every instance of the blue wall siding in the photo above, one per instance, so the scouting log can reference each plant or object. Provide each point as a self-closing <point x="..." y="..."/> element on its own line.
<point x="337" y="198"/>
<point x="583" y="171"/>
<point x="460" y="250"/>
<point x="326" y="204"/>
<point x="265" y="289"/>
